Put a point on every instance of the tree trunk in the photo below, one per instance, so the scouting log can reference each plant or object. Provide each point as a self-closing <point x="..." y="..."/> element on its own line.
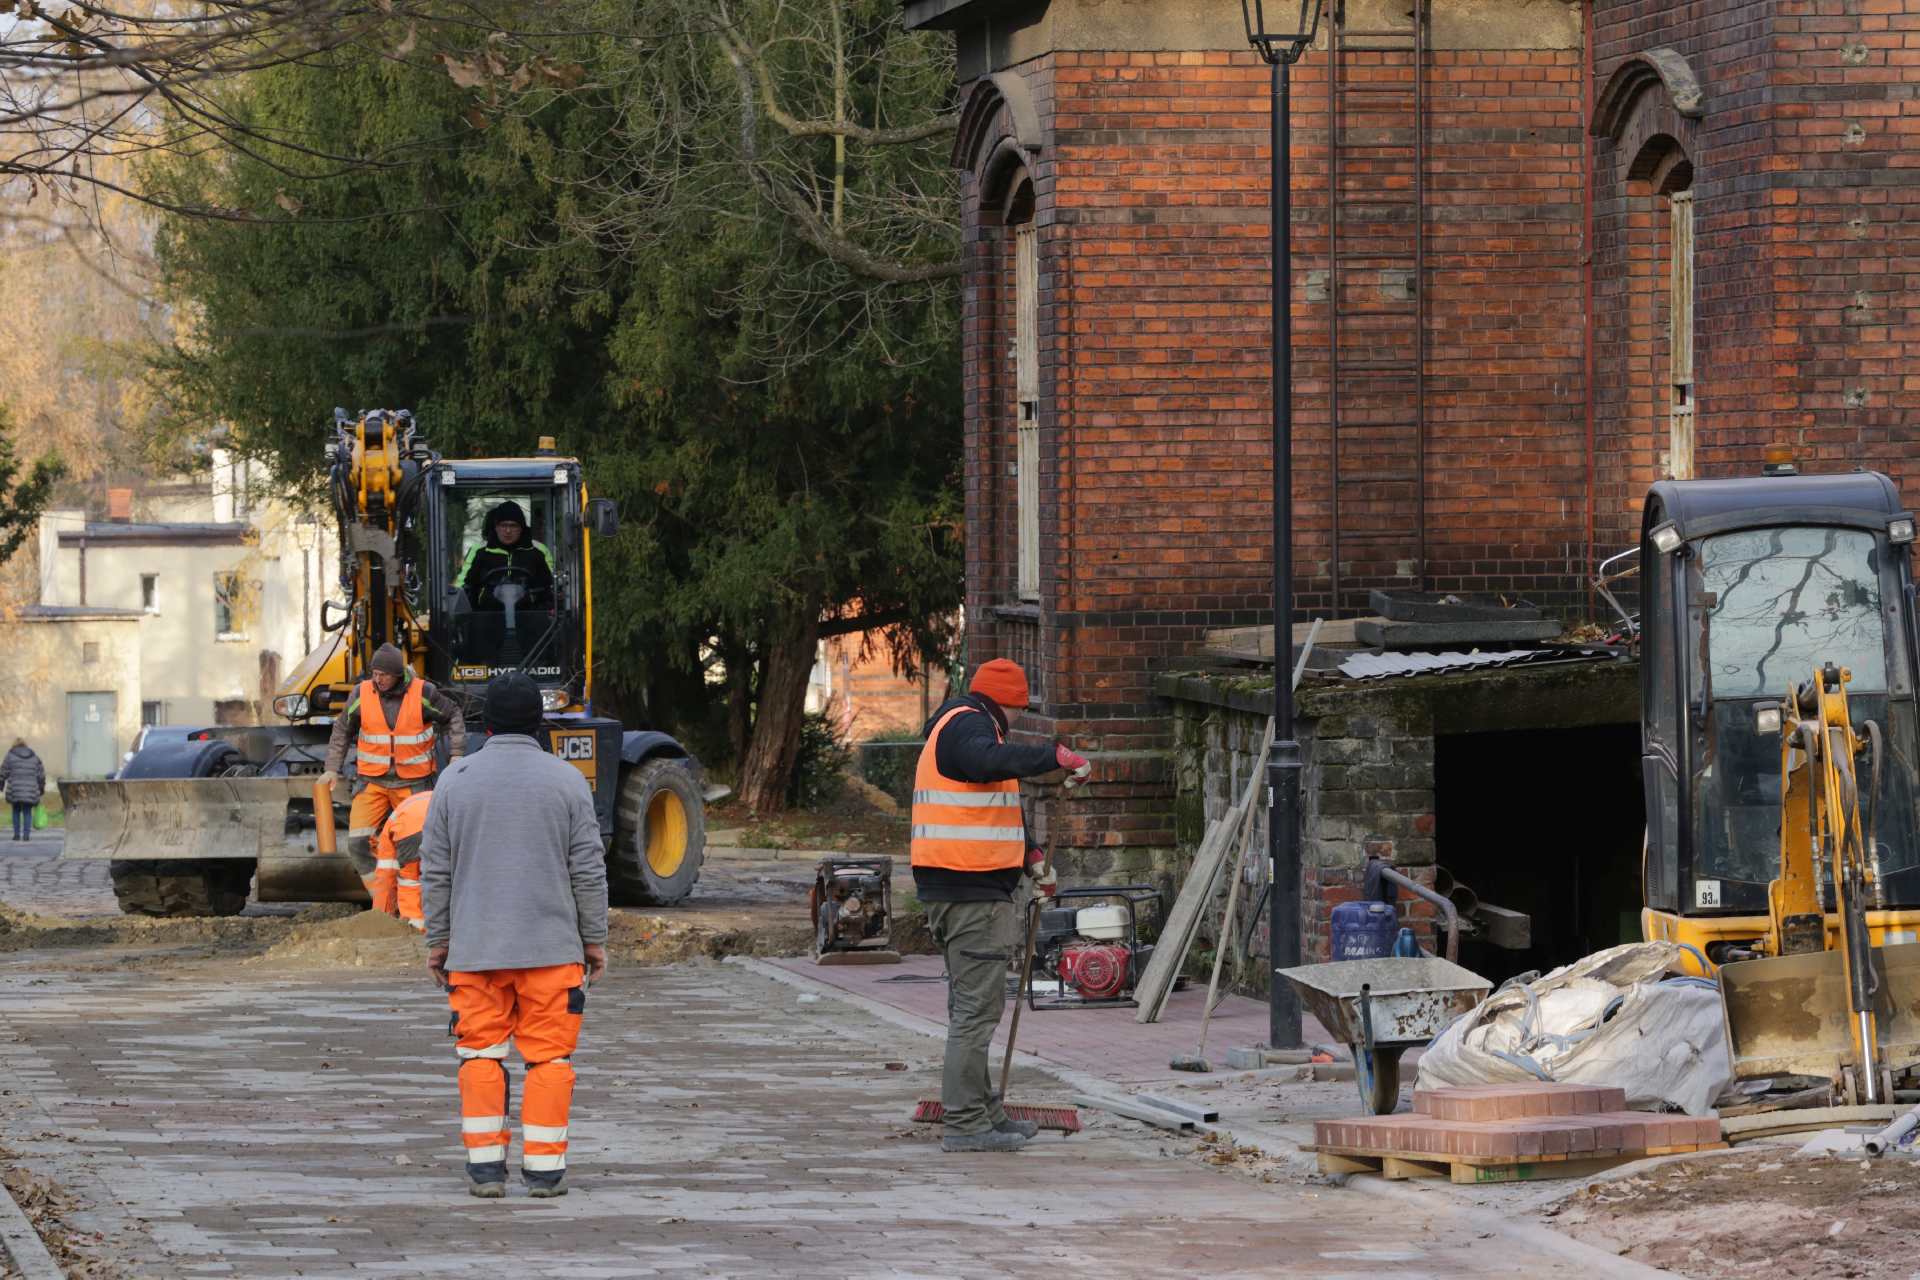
<point x="786" y="661"/>
<point x="739" y="700"/>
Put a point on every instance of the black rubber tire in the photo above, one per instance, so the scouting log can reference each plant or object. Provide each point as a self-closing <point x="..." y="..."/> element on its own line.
<point x="631" y="881"/>
<point x="173" y="888"/>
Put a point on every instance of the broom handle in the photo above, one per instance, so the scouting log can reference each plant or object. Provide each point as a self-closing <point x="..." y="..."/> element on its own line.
<point x="1026" y="975"/>
<point x="1233" y="889"/>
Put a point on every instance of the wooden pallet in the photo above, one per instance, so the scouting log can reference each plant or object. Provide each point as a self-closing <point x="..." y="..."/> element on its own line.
<point x="1401" y="1165"/>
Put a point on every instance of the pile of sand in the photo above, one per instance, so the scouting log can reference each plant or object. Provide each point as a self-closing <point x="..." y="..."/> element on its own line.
<point x="346" y="935"/>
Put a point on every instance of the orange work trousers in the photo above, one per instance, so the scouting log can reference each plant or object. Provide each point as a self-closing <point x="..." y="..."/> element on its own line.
<point x="372" y="805"/>
<point x="540" y="1011"/>
<point x="408" y="895"/>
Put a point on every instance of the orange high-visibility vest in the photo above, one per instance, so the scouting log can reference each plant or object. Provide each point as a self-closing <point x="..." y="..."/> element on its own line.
<point x="406" y="747"/>
<point x="400" y="845"/>
<point x="964" y="826"/>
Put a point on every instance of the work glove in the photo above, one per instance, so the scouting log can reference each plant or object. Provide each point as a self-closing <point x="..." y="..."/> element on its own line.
<point x="1041" y="871"/>
<point x="1078" y="767"/>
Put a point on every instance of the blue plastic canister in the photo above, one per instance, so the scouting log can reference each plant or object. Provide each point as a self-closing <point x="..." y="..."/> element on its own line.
<point x="1364" y="930"/>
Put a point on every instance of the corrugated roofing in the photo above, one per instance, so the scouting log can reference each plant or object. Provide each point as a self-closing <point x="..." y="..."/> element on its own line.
<point x="1380" y="666"/>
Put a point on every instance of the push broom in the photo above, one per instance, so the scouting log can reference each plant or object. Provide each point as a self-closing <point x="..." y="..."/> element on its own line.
<point x="1065" y="1119"/>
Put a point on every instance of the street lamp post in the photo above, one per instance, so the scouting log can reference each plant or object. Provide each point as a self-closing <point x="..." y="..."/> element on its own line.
<point x="1280" y="41"/>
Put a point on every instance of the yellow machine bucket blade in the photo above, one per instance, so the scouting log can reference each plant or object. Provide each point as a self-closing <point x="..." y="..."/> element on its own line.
<point x="1791" y="1015"/>
<point x="178" y="817"/>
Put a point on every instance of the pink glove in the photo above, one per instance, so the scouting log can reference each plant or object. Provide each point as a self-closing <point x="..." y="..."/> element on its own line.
<point x="1078" y="767"/>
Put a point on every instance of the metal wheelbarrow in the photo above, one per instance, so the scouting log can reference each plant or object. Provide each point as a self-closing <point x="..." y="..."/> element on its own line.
<point x="1381" y="1008"/>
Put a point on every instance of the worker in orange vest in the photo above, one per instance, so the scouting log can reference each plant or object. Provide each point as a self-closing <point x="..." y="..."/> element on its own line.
<point x="391" y="721"/>
<point x="969" y="850"/>
<point x="398" y="846"/>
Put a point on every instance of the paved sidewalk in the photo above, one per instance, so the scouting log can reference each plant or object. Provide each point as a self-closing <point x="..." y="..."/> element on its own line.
<point x="249" y="1121"/>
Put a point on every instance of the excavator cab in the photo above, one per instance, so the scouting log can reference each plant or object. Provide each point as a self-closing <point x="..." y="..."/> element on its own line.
<point x="1778" y="650"/>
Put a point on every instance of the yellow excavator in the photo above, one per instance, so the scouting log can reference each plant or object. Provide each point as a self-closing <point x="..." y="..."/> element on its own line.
<point x="190" y="827"/>
<point x="1778" y="658"/>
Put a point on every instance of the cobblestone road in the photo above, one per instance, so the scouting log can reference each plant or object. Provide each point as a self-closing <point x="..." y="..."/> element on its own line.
<point x="34" y="878"/>
<point x="253" y="1121"/>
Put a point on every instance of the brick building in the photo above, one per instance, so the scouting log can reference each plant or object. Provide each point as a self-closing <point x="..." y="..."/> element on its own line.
<point x="1479" y="400"/>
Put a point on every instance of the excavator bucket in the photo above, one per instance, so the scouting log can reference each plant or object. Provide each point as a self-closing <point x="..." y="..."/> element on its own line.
<point x="1791" y="1015"/>
<point x="160" y="818"/>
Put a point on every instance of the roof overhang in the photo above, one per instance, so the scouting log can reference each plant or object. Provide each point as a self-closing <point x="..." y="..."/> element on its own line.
<point x="949" y="15"/>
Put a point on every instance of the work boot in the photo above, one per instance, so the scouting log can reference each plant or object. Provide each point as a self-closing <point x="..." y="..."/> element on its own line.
<point x="487" y="1190"/>
<point x="991" y="1140"/>
<point x="547" y="1190"/>
<point x="1025" y="1128"/>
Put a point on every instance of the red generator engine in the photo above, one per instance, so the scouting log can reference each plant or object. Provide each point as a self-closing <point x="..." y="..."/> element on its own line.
<point x="1087" y="945"/>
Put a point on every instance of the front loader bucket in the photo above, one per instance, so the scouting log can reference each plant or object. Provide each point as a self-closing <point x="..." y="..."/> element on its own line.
<point x="159" y="818"/>
<point x="1791" y="1015"/>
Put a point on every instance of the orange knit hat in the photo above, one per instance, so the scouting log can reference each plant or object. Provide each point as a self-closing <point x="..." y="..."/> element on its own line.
<point x="1003" y="681"/>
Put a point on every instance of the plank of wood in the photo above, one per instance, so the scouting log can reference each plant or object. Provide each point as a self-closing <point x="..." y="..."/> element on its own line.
<point x="1765" y="1122"/>
<point x="1330" y="1163"/>
<point x="1395" y="1169"/>
<point x="1537" y="1170"/>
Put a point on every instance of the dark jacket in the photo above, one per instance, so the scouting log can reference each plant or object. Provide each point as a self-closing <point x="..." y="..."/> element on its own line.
<point x="974" y="749"/>
<point x="436" y="708"/>
<point x="526" y="555"/>
<point x="24" y="775"/>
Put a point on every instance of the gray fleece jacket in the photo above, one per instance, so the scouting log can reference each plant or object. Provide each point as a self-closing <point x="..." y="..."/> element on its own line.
<point x="512" y="871"/>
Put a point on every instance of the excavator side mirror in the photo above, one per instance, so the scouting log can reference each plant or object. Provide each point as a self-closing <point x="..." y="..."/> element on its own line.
<point x="603" y="517"/>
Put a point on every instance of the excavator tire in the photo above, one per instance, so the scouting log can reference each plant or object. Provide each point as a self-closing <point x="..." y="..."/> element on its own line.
<point x="660" y="836"/>
<point x="173" y="887"/>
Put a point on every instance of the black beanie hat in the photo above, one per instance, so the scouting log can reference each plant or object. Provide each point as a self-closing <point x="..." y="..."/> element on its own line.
<point x="505" y="511"/>
<point x="389" y="659"/>
<point x="513" y="704"/>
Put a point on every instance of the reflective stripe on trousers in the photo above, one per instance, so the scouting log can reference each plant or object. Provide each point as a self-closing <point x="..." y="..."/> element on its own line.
<point x="538" y="1010"/>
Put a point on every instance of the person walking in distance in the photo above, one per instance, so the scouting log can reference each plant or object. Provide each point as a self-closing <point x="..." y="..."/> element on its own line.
<point x="26" y="781"/>
<point x="391" y="721"/>
<point x="513" y="879"/>
<point x="969" y="851"/>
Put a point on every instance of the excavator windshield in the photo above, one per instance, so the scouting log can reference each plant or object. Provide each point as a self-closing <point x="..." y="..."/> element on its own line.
<point x="508" y="599"/>
<point x="1769" y="606"/>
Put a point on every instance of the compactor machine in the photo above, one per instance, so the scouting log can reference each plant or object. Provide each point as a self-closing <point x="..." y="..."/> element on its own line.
<point x="1780" y="762"/>
<point x="189" y="826"/>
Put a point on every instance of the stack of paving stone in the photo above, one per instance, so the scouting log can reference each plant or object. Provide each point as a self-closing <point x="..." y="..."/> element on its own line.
<point x="1499" y="1133"/>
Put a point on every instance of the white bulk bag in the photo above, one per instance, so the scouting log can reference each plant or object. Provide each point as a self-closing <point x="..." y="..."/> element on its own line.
<point x="1630" y="1017"/>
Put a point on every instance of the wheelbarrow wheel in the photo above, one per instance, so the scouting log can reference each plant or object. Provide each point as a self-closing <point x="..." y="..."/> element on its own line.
<point x="1377" y="1071"/>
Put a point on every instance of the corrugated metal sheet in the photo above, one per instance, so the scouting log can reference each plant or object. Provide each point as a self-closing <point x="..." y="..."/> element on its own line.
<point x="1381" y="666"/>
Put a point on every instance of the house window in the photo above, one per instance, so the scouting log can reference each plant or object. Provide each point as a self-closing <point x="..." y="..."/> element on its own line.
<point x="229" y="606"/>
<point x="153" y="713"/>
<point x="150" y="593"/>
<point x="1680" y="336"/>
<point x="1026" y="381"/>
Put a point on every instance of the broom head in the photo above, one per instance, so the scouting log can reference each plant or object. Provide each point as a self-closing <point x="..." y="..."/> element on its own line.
<point x="1064" y="1119"/>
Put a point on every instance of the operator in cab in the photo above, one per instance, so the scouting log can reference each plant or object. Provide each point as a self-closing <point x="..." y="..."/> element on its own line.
<point x="507" y="555"/>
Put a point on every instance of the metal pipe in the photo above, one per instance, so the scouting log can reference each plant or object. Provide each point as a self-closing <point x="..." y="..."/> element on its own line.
<point x="1283" y="768"/>
<point x="1880" y="1143"/>
<point x="1447" y="909"/>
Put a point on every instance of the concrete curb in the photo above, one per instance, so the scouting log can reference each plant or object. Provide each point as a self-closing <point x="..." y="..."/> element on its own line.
<point x="23" y="1245"/>
<point x="1593" y="1261"/>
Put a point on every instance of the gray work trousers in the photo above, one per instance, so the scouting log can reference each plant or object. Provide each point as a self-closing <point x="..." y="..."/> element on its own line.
<point x="977" y="940"/>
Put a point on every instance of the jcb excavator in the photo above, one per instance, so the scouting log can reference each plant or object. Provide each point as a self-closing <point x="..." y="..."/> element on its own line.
<point x="1781" y="765"/>
<point x="188" y="826"/>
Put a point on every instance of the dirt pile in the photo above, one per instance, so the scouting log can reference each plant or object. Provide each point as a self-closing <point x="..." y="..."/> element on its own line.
<point x="642" y="939"/>
<point x="1761" y="1212"/>
<point x="22" y="931"/>
<point x="341" y="934"/>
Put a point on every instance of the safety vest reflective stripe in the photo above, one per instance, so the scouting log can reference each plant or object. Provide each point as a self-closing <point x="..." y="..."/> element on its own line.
<point x="486" y="1155"/>
<point x="964" y="826"/>
<point x="385" y="864"/>
<point x="361" y="833"/>
<point x="405" y="883"/>
<point x="541" y="1164"/>
<point x="544" y="1132"/>
<point x="491" y="1051"/>
<point x="969" y="799"/>
<point x="482" y="1124"/>
<point x="941" y="831"/>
